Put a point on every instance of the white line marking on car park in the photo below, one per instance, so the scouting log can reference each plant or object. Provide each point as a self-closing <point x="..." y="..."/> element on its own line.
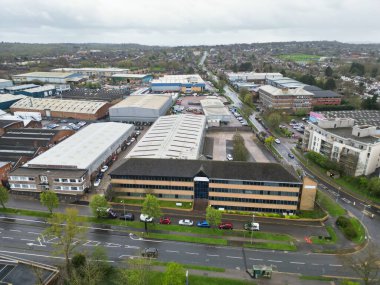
<point x="336" y="265"/>
<point x="295" y="262"/>
<point x="214" y="255"/>
<point x="18" y="231"/>
<point x="193" y="253"/>
<point x="131" y="246"/>
<point x="175" y="251"/>
<point x="237" y="257"/>
<point x="274" y="260"/>
<point x="257" y="259"/>
<point x="8" y="237"/>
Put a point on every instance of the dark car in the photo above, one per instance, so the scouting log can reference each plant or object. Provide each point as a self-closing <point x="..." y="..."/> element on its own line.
<point x="165" y="221"/>
<point x="208" y="156"/>
<point x="150" y="252"/>
<point x="291" y="155"/>
<point x="226" y="226"/>
<point x="111" y="213"/>
<point x="127" y="217"/>
<point x="100" y="175"/>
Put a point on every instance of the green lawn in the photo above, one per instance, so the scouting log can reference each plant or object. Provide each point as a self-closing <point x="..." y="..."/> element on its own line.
<point x="165" y="204"/>
<point x="193" y="239"/>
<point x="192" y="266"/>
<point x="355" y="189"/>
<point x="359" y="229"/>
<point x="272" y="246"/>
<point x="317" y="213"/>
<point x="318" y="278"/>
<point x="332" y="234"/>
<point x="333" y="208"/>
<point x="297" y="57"/>
<point x="31" y="213"/>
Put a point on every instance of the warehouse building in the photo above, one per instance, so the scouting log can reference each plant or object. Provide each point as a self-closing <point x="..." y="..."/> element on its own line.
<point x="93" y="71"/>
<point x="145" y="108"/>
<point x="4" y="83"/>
<point x="189" y="83"/>
<point x="75" y="109"/>
<point x="129" y="77"/>
<point x="214" y="109"/>
<point x="284" y="82"/>
<point x="323" y="97"/>
<point x="48" y="77"/>
<point x="7" y="100"/>
<point x="18" y="89"/>
<point x="175" y="136"/>
<point x="285" y="99"/>
<point x="240" y="186"/>
<point x="67" y="167"/>
<point x="40" y="91"/>
<point x="255" y="77"/>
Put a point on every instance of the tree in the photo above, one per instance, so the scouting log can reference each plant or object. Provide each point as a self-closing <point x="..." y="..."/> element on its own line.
<point x="239" y="150"/>
<point x="330" y="84"/>
<point x="151" y="208"/>
<point x="213" y="216"/>
<point x="174" y="274"/>
<point x="374" y="72"/>
<point x="269" y="140"/>
<point x="99" y="206"/>
<point x="328" y="71"/>
<point x="67" y="229"/>
<point x="50" y="200"/>
<point x="138" y="273"/>
<point x="274" y="119"/>
<point x="245" y="66"/>
<point x="308" y="79"/>
<point x="4" y="196"/>
<point x="357" y="68"/>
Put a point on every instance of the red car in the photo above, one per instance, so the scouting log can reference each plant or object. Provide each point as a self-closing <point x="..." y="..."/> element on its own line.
<point x="165" y="221"/>
<point x="226" y="226"/>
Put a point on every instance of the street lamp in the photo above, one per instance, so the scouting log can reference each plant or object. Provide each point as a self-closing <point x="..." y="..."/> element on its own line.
<point x="125" y="218"/>
<point x="337" y="197"/>
<point x="253" y="220"/>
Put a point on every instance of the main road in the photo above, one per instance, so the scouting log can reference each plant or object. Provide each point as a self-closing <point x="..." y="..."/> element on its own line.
<point x="25" y="238"/>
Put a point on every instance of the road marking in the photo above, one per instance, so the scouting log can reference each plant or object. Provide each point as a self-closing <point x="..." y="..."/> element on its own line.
<point x="176" y="251"/>
<point x="33" y="233"/>
<point x="25" y="239"/>
<point x="92" y="243"/>
<point x="257" y="259"/>
<point x="274" y="260"/>
<point x="316" y="264"/>
<point x="131" y="246"/>
<point x="336" y="265"/>
<point x="8" y="237"/>
<point x="110" y="244"/>
<point x="193" y="253"/>
<point x="215" y="255"/>
<point x="295" y="262"/>
<point x="128" y="255"/>
<point x="15" y="231"/>
<point x="237" y="257"/>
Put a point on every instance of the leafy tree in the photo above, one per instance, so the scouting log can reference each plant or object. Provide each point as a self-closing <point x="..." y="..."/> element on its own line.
<point x="357" y="68"/>
<point x="239" y="150"/>
<point x="4" y="196"/>
<point x="245" y="66"/>
<point x="370" y="103"/>
<point x="67" y="228"/>
<point x="99" y="206"/>
<point x="308" y="79"/>
<point x="283" y="72"/>
<point x="328" y="71"/>
<point x="374" y="71"/>
<point x="274" y="119"/>
<point x="139" y="272"/>
<point x="330" y="84"/>
<point x="50" y="200"/>
<point x="151" y="208"/>
<point x="174" y="274"/>
<point x="269" y="140"/>
<point x="213" y="216"/>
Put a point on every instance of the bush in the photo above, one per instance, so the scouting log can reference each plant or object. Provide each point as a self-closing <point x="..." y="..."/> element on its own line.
<point x="342" y="222"/>
<point x="78" y="260"/>
<point x="350" y="232"/>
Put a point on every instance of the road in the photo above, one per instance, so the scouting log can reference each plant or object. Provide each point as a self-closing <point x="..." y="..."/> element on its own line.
<point x="25" y="238"/>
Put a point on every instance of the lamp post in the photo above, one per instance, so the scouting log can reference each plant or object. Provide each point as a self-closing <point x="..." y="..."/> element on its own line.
<point x="337" y="197"/>
<point x="125" y="218"/>
<point x="253" y="220"/>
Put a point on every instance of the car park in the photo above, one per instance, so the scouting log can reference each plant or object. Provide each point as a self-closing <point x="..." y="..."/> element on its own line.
<point x="104" y="168"/>
<point x="97" y="182"/>
<point x="226" y="226"/>
<point x="165" y="221"/>
<point x="229" y="157"/>
<point x="127" y="217"/>
<point x="100" y="175"/>
<point x="146" y="218"/>
<point x="186" y="222"/>
<point x="252" y="226"/>
<point x="150" y="252"/>
<point x="277" y="141"/>
<point x="203" y="224"/>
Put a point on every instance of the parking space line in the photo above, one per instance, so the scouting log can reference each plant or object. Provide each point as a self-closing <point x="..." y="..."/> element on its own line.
<point x="176" y="251"/>
<point x="336" y="265"/>
<point x="18" y="231"/>
<point x="214" y="255"/>
<point x="8" y="237"/>
<point x="295" y="262"/>
<point x="193" y="253"/>
<point x="270" y="260"/>
<point x="237" y="257"/>
<point x="257" y="259"/>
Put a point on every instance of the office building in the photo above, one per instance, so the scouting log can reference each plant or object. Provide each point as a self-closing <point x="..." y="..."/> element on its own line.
<point x="93" y="71"/>
<point x="323" y="97"/>
<point x="253" y="77"/>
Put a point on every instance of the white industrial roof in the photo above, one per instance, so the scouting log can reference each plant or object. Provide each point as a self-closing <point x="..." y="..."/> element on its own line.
<point x="10" y="97"/>
<point x="130" y="75"/>
<point x="90" y="69"/>
<point x="144" y="101"/>
<point x="82" y="149"/>
<point x="284" y="91"/>
<point x="75" y="106"/>
<point x="187" y="78"/>
<point x="4" y="80"/>
<point x="253" y="75"/>
<point x="213" y="106"/>
<point x="40" y="88"/>
<point x="175" y="136"/>
<point x="46" y="74"/>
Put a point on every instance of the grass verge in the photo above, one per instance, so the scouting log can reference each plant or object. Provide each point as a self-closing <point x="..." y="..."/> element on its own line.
<point x="193" y="239"/>
<point x="359" y="230"/>
<point x="31" y="213"/>
<point x="333" y="208"/>
<point x="355" y="189"/>
<point x="192" y="266"/>
<point x="272" y="246"/>
<point x="318" y="278"/>
<point x="332" y="234"/>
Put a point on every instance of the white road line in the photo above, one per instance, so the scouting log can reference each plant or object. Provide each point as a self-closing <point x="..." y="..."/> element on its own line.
<point x="18" y="231"/>
<point x="193" y="253"/>
<point x="91" y="243"/>
<point x="274" y="260"/>
<point x="237" y="257"/>
<point x="33" y="233"/>
<point x="336" y="265"/>
<point x="215" y="255"/>
<point x="257" y="259"/>
<point x="127" y="255"/>
<point x="295" y="262"/>
<point x="32" y="254"/>
<point x="176" y="251"/>
<point x="8" y="237"/>
<point x="110" y="244"/>
<point x="25" y="239"/>
<point x="316" y="264"/>
<point x="131" y="246"/>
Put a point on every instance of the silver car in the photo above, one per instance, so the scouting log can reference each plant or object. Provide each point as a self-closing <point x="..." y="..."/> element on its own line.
<point x="186" y="222"/>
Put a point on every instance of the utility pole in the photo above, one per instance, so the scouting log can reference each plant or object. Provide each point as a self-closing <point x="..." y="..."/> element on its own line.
<point x="253" y="220"/>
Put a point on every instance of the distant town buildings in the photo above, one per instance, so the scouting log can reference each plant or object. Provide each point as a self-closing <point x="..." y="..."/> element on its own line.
<point x="323" y="97"/>
<point x="6" y="100"/>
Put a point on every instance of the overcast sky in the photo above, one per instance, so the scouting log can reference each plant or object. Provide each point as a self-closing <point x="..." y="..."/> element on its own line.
<point x="190" y="22"/>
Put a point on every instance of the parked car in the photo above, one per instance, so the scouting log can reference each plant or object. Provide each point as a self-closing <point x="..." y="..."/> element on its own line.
<point x="226" y="226"/>
<point x="208" y="156"/>
<point x="104" y="168"/>
<point x="145" y="218"/>
<point x="251" y="226"/>
<point x="229" y="157"/>
<point x="127" y="217"/>
<point x="291" y="155"/>
<point x="133" y="139"/>
<point x="203" y="224"/>
<point x="97" y="182"/>
<point x="150" y="252"/>
<point x="82" y="123"/>
<point x="165" y="221"/>
<point x="111" y="213"/>
<point x="277" y="141"/>
<point x="186" y="222"/>
<point x="100" y="175"/>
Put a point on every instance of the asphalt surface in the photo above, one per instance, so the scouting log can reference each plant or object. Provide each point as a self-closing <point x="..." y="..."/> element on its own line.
<point x="25" y="238"/>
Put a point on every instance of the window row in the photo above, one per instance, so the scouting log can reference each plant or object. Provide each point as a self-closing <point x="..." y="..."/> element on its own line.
<point x="68" y="188"/>
<point x="157" y="178"/>
<point x="263" y="201"/>
<point x="260" y="183"/>
<point x="167" y="196"/>
<point x="142" y="186"/>
<point x="68" y="180"/>
<point x="257" y="192"/>
<point x="24" y="186"/>
<point x="254" y="209"/>
<point x="21" y="178"/>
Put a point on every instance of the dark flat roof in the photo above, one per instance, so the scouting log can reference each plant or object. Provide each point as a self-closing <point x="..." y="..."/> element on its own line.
<point x="320" y="93"/>
<point x="6" y="123"/>
<point x="213" y="169"/>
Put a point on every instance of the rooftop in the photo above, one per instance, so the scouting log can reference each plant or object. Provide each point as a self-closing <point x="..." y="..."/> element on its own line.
<point x="213" y="106"/>
<point x="76" y="106"/>
<point x="83" y="148"/>
<point x="21" y="87"/>
<point x="131" y="75"/>
<point x="253" y="171"/>
<point x="90" y="69"/>
<point x="286" y="82"/>
<point x="40" y="89"/>
<point x="145" y="101"/>
<point x="4" y="80"/>
<point x="65" y="173"/>
<point x="46" y="74"/>
<point x="182" y="79"/>
<point x="10" y="97"/>
<point x="284" y="91"/>
<point x="346" y="133"/>
<point x="361" y="117"/>
<point x="6" y="123"/>
<point x="175" y="136"/>
<point x="320" y="93"/>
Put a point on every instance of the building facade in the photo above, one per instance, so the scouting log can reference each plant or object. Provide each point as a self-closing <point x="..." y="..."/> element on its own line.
<point x="242" y="186"/>
<point x="189" y="83"/>
<point x="355" y="147"/>
<point x="285" y="99"/>
<point x="47" y="77"/>
<point x="323" y="97"/>
<point x="255" y="77"/>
